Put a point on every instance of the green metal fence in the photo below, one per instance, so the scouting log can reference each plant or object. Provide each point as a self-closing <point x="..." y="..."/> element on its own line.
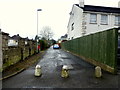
<point x="99" y="48"/>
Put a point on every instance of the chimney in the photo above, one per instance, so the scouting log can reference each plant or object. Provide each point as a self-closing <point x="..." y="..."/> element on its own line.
<point x="81" y="3"/>
<point x="119" y="4"/>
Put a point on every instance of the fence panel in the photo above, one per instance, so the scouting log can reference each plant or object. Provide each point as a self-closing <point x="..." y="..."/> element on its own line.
<point x="99" y="48"/>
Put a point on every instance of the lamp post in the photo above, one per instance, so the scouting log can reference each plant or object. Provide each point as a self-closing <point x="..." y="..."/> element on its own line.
<point x="37" y="28"/>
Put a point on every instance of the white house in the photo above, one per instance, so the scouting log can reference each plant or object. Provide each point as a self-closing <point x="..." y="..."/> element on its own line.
<point x="87" y="19"/>
<point x="12" y="42"/>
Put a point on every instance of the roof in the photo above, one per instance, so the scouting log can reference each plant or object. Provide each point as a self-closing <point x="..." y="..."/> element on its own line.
<point x="3" y="33"/>
<point x="16" y="37"/>
<point x="65" y="36"/>
<point x="100" y="9"/>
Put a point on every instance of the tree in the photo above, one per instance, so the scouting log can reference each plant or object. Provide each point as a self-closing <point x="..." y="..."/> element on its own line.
<point x="36" y="38"/>
<point x="43" y="44"/>
<point x="46" y="33"/>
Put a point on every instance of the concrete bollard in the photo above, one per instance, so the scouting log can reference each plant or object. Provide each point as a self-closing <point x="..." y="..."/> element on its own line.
<point x="98" y="72"/>
<point x="64" y="73"/>
<point x="38" y="70"/>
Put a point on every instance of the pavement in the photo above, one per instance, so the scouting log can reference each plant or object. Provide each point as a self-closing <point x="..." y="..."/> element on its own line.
<point x="17" y="68"/>
<point x="81" y="74"/>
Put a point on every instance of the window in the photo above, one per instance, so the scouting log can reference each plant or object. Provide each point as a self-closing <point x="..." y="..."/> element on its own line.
<point x="71" y="38"/>
<point x="117" y="20"/>
<point x="72" y="26"/>
<point x="71" y="13"/>
<point x="93" y="18"/>
<point x="26" y="42"/>
<point x="104" y="19"/>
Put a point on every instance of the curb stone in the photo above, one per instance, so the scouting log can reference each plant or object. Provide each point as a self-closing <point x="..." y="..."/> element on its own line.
<point x="13" y="74"/>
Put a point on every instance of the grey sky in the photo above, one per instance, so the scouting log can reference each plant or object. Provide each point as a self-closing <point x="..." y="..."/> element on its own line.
<point x="20" y="16"/>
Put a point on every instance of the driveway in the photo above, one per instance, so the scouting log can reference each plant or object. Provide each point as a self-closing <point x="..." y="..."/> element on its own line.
<point x="81" y="74"/>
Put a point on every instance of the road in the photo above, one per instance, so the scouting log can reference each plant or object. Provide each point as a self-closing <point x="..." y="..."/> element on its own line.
<point x="81" y="74"/>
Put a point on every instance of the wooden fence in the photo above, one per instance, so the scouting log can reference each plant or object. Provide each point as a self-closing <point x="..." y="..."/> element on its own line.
<point x="99" y="49"/>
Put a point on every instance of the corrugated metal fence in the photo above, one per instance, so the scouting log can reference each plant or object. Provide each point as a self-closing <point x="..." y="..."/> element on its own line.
<point x="99" y="48"/>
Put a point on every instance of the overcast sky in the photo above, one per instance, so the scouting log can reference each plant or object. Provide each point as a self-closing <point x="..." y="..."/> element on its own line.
<point x="20" y="16"/>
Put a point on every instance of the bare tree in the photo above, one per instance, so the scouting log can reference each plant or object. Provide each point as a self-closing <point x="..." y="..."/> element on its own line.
<point x="46" y="33"/>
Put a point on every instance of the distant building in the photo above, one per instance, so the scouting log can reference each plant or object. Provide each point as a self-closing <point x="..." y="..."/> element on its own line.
<point x="87" y="19"/>
<point x="13" y="41"/>
<point x="64" y="37"/>
<point x="17" y="37"/>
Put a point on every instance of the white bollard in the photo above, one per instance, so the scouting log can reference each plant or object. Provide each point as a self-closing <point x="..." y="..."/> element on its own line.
<point x="98" y="72"/>
<point x="64" y="72"/>
<point x="38" y="70"/>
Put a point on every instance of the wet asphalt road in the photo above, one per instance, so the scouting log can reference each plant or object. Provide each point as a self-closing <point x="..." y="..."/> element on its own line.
<point x="81" y="74"/>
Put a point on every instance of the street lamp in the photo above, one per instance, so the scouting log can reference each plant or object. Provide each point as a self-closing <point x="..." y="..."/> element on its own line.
<point x="37" y="28"/>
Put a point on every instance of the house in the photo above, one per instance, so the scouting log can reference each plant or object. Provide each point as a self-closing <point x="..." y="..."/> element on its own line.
<point x="88" y="19"/>
<point x="12" y="42"/>
<point x="26" y="40"/>
<point x="63" y="38"/>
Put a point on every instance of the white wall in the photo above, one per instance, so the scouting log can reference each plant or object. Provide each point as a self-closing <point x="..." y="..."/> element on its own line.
<point x="77" y="20"/>
<point x="93" y="28"/>
<point x="82" y="24"/>
<point x="26" y="42"/>
<point x="12" y="42"/>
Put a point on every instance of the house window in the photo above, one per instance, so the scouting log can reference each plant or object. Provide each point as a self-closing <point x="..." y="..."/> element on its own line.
<point x="72" y="28"/>
<point x="104" y="19"/>
<point x="117" y="20"/>
<point x="71" y="38"/>
<point x="93" y="18"/>
<point x="71" y="13"/>
<point x="26" y="42"/>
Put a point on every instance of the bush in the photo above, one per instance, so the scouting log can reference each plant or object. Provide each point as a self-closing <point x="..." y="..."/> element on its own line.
<point x="43" y="44"/>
